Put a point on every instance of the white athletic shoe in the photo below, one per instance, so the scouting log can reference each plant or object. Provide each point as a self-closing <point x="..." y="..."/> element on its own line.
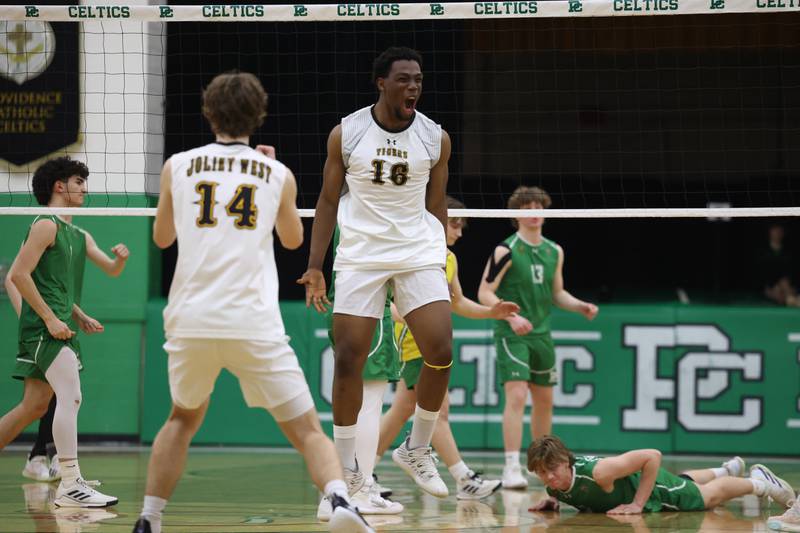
<point x="777" y="489"/>
<point x="734" y="466"/>
<point x="346" y="519"/>
<point x="354" y="479"/>
<point x="385" y="492"/>
<point x="324" y="509"/>
<point x="788" y="521"/>
<point x="80" y="494"/>
<point x="419" y="464"/>
<point x="513" y="478"/>
<point x="368" y="501"/>
<point x="55" y="468"/>
<point x="473" y="487"/>
<point x="37" y="468"/>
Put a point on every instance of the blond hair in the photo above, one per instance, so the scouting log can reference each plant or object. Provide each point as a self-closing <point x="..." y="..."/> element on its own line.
<point x="548" y="452"/>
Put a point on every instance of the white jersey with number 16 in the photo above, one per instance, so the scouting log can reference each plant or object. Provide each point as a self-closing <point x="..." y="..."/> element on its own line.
<point x="382" y="217"/>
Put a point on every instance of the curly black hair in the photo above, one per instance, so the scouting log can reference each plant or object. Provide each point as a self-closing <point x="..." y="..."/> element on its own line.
<point x="59" y="169"/>
<point x="383" y="63"/>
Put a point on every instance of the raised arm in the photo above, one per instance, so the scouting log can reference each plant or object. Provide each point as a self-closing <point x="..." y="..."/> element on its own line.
<point x="436" y="194"/>
<point x="164" y="226"/>
<point x="41" y="237"/>
<point x="465" y="307"/>
<point x="112" y="267"/>
<point x="288" y="225"/>
<point x="324" y="222"/>
<point x="609" y="469"/>
<point x="564" y="299"/>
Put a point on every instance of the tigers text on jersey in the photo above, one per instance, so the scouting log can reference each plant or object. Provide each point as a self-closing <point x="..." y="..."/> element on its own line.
<point x="225" y="200"/>
<point x="382" y="216"/>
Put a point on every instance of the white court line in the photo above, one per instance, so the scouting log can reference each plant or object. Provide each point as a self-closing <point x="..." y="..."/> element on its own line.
<point x="793" y="423"/>
<point x="487" y="334"/>
<point x="577" y="335"/>
<point x="794" y="337"/>
<point x="566" y="420"/>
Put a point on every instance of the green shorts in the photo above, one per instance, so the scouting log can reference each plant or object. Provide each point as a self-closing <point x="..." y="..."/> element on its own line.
<point x="410" y="370"/>
<point x="674" y="493"/>
<point x="35" y="356"/>
<point x="383" y="360"/>
<point x="529" y="358"/>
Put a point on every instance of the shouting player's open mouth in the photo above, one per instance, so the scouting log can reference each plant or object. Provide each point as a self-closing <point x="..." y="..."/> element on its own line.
<point x="410" y="104"/>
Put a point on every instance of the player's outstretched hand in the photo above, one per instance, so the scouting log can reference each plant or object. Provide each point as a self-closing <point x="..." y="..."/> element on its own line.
<point x="314" y="281"/>
<point x="626" y="508"/>
<point x="589" y="310"/>
<point x="266" y="150"/>
<point x="59" y="330"/>
<point x="502" y="310"/>
<point x="545" y="504"/>
<point x="89" y="325"/>
<point x="121" y="252"/>
<point x="519" y="324"/>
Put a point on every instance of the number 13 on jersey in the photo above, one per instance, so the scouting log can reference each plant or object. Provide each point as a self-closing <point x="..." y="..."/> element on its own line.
<point x="537" y="272"/>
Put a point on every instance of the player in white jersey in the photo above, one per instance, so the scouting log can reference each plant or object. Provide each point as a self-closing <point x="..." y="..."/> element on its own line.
<point x="222" y="201"/>
<point x="391" y="214"/>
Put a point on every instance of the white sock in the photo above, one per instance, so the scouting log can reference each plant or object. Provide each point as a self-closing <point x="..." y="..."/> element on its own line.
<point x="344" y="438"/>
<point x="459" y="470"/>
<point x="152" y="507"/>
<point x="62" y="374"/>
<point x="337" y="487"/>
<point x="759" y="487"/>
<point x="512" y="458"/>
<point x="422" y="428"/>
<point x="720" y="471"/>
<point x="70" y="471"/>
<point x="368" y="426"/>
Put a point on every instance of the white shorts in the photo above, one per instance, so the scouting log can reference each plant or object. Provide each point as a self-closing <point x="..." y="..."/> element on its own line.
<point x="269" y="374"/>
<point x="363" y="292"/>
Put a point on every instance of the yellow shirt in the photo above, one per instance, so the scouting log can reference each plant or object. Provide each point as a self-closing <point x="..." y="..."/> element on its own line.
<point x="405" y="340"/>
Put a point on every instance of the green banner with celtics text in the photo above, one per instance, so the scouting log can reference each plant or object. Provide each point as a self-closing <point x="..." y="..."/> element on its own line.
<point x="683" y="379"/>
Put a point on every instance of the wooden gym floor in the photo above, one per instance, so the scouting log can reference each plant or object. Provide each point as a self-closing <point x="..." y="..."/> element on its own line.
<point x="255" y="490"/>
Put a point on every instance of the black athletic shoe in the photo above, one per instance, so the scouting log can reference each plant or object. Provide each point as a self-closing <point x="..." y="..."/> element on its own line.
<point x="345" y="518"/>
<point x="142" y="526"/>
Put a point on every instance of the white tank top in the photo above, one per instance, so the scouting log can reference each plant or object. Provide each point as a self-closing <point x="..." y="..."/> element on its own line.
<point x="382" y="217"/>
<point x="225" y="200"/>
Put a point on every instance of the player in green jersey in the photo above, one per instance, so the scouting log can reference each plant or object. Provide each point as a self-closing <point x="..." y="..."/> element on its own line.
<point x="48" y="273"/>
<point x="526" y="268"/>
<point x="634" y="482"/>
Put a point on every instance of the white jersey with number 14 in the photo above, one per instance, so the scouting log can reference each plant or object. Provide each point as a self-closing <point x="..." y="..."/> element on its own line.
<point x="225" y="199"/>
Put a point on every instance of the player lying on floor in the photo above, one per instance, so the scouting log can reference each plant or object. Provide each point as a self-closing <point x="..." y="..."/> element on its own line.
<point x="634" y="482"/>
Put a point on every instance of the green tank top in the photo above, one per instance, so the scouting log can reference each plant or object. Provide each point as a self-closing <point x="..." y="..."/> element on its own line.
<point x="58" y="277"/>
<point x="586" y="495"/>
<point x="529" y="283"/>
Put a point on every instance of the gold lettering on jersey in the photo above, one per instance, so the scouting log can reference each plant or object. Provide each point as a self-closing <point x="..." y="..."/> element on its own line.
<point x="259" y="169"/>
<point x="391" y="152"/>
